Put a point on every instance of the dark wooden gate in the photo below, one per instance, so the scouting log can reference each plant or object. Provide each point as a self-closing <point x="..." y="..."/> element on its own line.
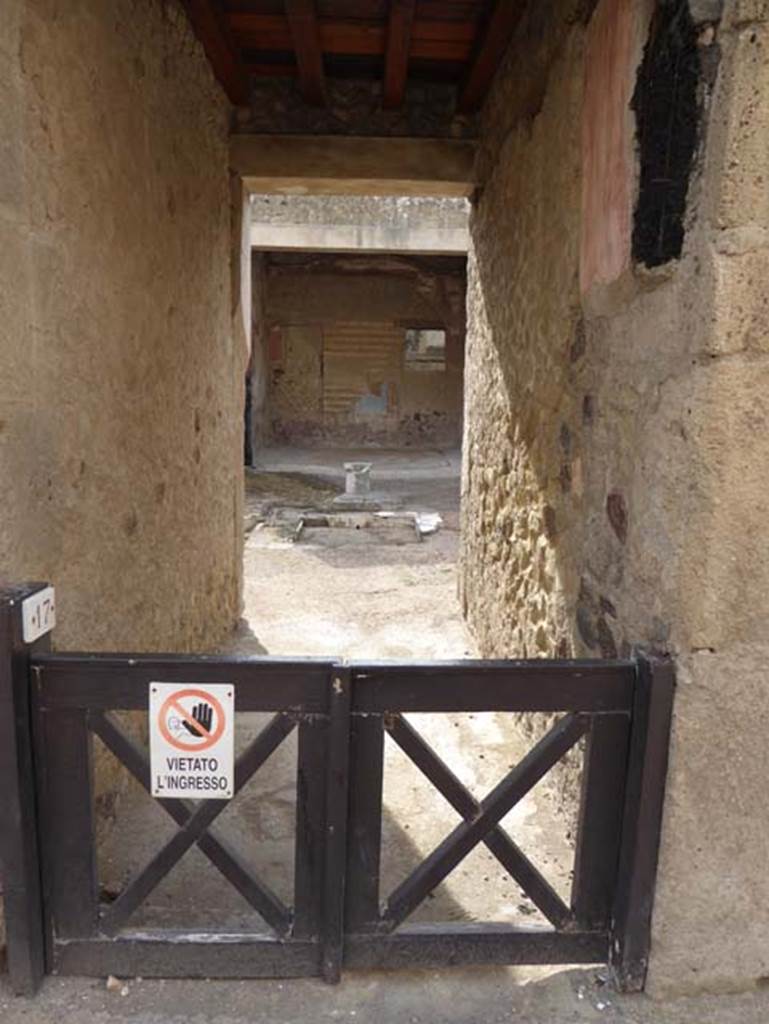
<point x="52" y="705"/>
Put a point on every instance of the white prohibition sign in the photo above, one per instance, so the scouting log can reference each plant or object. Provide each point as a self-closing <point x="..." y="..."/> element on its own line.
<point x="192" y="740"/>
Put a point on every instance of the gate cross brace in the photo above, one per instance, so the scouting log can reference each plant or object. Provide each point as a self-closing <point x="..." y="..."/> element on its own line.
<point x="505" y="795"/>
<point x="194" y="823"/>
<point x="507" y="852"/>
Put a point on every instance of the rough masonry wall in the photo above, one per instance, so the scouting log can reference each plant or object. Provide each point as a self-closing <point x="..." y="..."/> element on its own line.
<point x="408" y="212"/>
<point x="257" y="420"/>
<point x="337" y="328"/>
<point x="615" y="489"/>
<point x="122" y="384"/>
<point x="354" y="107"/>
<point x="521" y="514"/>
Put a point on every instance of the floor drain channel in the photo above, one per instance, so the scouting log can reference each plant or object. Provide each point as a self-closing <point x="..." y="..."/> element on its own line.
<point x="421" y="523"/>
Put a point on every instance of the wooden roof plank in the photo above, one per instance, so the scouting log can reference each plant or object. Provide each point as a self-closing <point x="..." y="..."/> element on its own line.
<point x="213" y="32"/>
<point x="499" y="30"/>
<point x="433" y="40"/>
<point x="399" y="29"/>
<point x="303" y="22"/>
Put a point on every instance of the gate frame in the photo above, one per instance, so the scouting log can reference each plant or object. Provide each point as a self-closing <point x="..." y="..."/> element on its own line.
<point x="28" y="938"/>
<point x="19" y="841"/>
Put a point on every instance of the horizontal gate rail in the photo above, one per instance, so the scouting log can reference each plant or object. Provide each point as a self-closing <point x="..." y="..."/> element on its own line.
<point x="423" y="946"/>
<point x="170" y="954"/>
<point x="536" y="685"/>
<point x="115" y="681"/>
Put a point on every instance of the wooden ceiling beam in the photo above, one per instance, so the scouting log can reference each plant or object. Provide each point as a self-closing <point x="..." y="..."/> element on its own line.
<point x="431" y="40"/>
<point x="396" y="70"/>
<point x="305" y="33"/>
<point x="213" y="32"/>
<point x="494" y="42"/>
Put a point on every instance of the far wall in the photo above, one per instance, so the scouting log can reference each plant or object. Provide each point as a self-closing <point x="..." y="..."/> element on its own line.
<point x="334" y="331"/>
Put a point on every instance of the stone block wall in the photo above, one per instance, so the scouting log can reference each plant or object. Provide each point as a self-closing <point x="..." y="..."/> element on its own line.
<point x="354" y="107"/>
<point x="617" y="434"/>
<point x="404" y="212"/>
<point x="522" y="474"/>
<point x="121" y="364"/>
<point x="257" y="421"/>
<point x="122" y="349"/>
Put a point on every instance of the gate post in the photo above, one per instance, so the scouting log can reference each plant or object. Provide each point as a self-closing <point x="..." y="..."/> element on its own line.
<point x="335" y="861"/>
<point x="642" y="822"/>
<point x="19" y="849"/>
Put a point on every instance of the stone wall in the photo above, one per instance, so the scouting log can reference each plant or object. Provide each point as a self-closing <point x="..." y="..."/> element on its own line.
<point x="407" y="212"/>
<point x="121" y="360"/>
<point x="257" y="420"/>
<point x="614" y="486"/>
<point x="524" y="343"/>
<point x="354" y="107"/>
<point x="337" y="334"/>
<point x="360" y="224"/>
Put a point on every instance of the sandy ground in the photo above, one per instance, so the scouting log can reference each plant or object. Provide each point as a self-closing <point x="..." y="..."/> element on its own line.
<point x="447" y="997"/>
<point x="380" y="595"/>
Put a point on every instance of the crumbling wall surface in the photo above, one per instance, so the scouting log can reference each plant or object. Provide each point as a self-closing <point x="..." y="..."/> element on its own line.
<point x="337" y="325"/>
<point x="375" y="211"/>
<point x="614" y="487"/>
<point x="257" y="421"/>
<point x="354" y="107"/>
<point x="122" y="384"/>
<point x="521" y="397"/>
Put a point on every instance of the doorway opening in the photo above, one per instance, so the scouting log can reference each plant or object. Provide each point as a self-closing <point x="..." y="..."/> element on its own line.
<point x="352" y="514"/>
<point x="357" y="361"/>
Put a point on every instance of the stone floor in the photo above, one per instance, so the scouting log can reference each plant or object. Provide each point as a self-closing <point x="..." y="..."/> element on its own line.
<point x="396" y="465"/>
<point x="479" y="996"/>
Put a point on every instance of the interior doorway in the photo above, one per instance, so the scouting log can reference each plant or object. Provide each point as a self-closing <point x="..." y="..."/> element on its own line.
<point x="352" y="513"/>
<point x="358" y="359"/>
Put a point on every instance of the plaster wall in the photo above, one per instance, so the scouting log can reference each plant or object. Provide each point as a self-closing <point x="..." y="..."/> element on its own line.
<point x="387" y="224"/>
<point x="614" y="484"/>
<point x="122" y="347"/>
<point x="309" y="303"/>
<point x="258" y="367"/>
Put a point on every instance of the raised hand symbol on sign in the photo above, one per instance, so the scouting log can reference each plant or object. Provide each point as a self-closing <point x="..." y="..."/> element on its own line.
<point x="203" y="715"/>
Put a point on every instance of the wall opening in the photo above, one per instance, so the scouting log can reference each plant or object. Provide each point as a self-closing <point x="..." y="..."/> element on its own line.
<point x="667" y="108"/>
<point x="425" y="349"/>
<point x="358" y="332"/>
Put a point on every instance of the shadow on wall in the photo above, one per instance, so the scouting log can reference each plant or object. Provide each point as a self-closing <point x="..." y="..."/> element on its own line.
<point x="561" y="404"/>
<point x="523" y="474"/>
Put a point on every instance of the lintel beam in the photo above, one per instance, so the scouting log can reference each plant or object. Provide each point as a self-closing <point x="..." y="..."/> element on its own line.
<point x="305" y="33"/>
<point x="494" y="42"/>
<point x="397" y="52"/>
<point x="354" y="165"/>
<point x="222" y="52"/>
